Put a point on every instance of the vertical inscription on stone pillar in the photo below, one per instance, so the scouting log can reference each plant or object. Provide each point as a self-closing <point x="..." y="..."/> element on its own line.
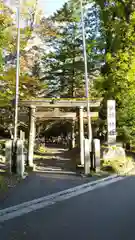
<point x="111" y="122"/>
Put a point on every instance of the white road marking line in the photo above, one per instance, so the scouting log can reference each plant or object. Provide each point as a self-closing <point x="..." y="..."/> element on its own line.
<point x="27" y="207"/>
<point x="38" y="200"/>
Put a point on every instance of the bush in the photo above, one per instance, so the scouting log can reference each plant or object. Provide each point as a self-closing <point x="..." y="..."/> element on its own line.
<point x="2" y="147"/>
<point x="41" y="149"/>
<point x="119" y="166"/>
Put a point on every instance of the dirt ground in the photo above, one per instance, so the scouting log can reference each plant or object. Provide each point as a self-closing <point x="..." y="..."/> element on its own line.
<point x="58" y="158"/>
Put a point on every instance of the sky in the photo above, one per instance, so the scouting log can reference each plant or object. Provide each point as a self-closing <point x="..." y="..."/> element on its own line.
<point x="50" y="6"/>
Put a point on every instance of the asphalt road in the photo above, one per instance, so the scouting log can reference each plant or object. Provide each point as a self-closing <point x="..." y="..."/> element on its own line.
<point x="39" y="185"/>
<point x="107" y="213"/>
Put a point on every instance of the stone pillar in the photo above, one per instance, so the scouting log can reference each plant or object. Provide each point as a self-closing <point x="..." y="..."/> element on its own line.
<point x="8" y="154"/>
<point x="73" y="133"/>
<point x="20" y="158"/>
<point x="78" y="127"/>
<point x="87" y="156"/>
<point x="32" y="131"/>
<point x="22" y="135"/>
<point x="96" y="143"/>
<point x="81" y="120"/>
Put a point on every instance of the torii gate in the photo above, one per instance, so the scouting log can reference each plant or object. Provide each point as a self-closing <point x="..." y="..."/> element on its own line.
<point x="36" y="111"/>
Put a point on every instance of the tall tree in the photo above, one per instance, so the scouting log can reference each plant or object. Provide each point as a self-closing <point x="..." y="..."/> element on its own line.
<point x="6" y="22"/>
<point x="115" y="43"/>
<point x="117" y="26"/>
<point x="29" y="86"/>
<point x="65" y="65"/>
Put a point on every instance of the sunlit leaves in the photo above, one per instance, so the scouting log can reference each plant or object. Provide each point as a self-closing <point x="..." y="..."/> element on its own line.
<point x="28" y="87"/>
<point x="117" y="21"/>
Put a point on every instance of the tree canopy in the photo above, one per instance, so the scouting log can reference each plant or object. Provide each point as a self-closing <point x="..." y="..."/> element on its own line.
<point x="53" y="63"/>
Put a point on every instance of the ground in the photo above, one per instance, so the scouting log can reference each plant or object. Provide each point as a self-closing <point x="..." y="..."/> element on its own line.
<point x="54" y="160"/>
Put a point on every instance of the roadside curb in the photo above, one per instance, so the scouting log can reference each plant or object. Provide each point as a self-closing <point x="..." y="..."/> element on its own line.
<point x="55" y="171"/>
<point x="60" y="171"/>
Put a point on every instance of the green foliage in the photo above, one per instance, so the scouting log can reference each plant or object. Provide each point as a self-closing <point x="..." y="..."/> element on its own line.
<point x="110" y="38"/>
<point x="41" y="149"/>
<point x="118" y="69"/>
<point x="2" y="148"/>
<point x="115" y="54"/>
<point x="119" y="166"/>
<point x="29" y="86"/>
<point x="64" y="67"/>
<point x="5" y="36"/>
